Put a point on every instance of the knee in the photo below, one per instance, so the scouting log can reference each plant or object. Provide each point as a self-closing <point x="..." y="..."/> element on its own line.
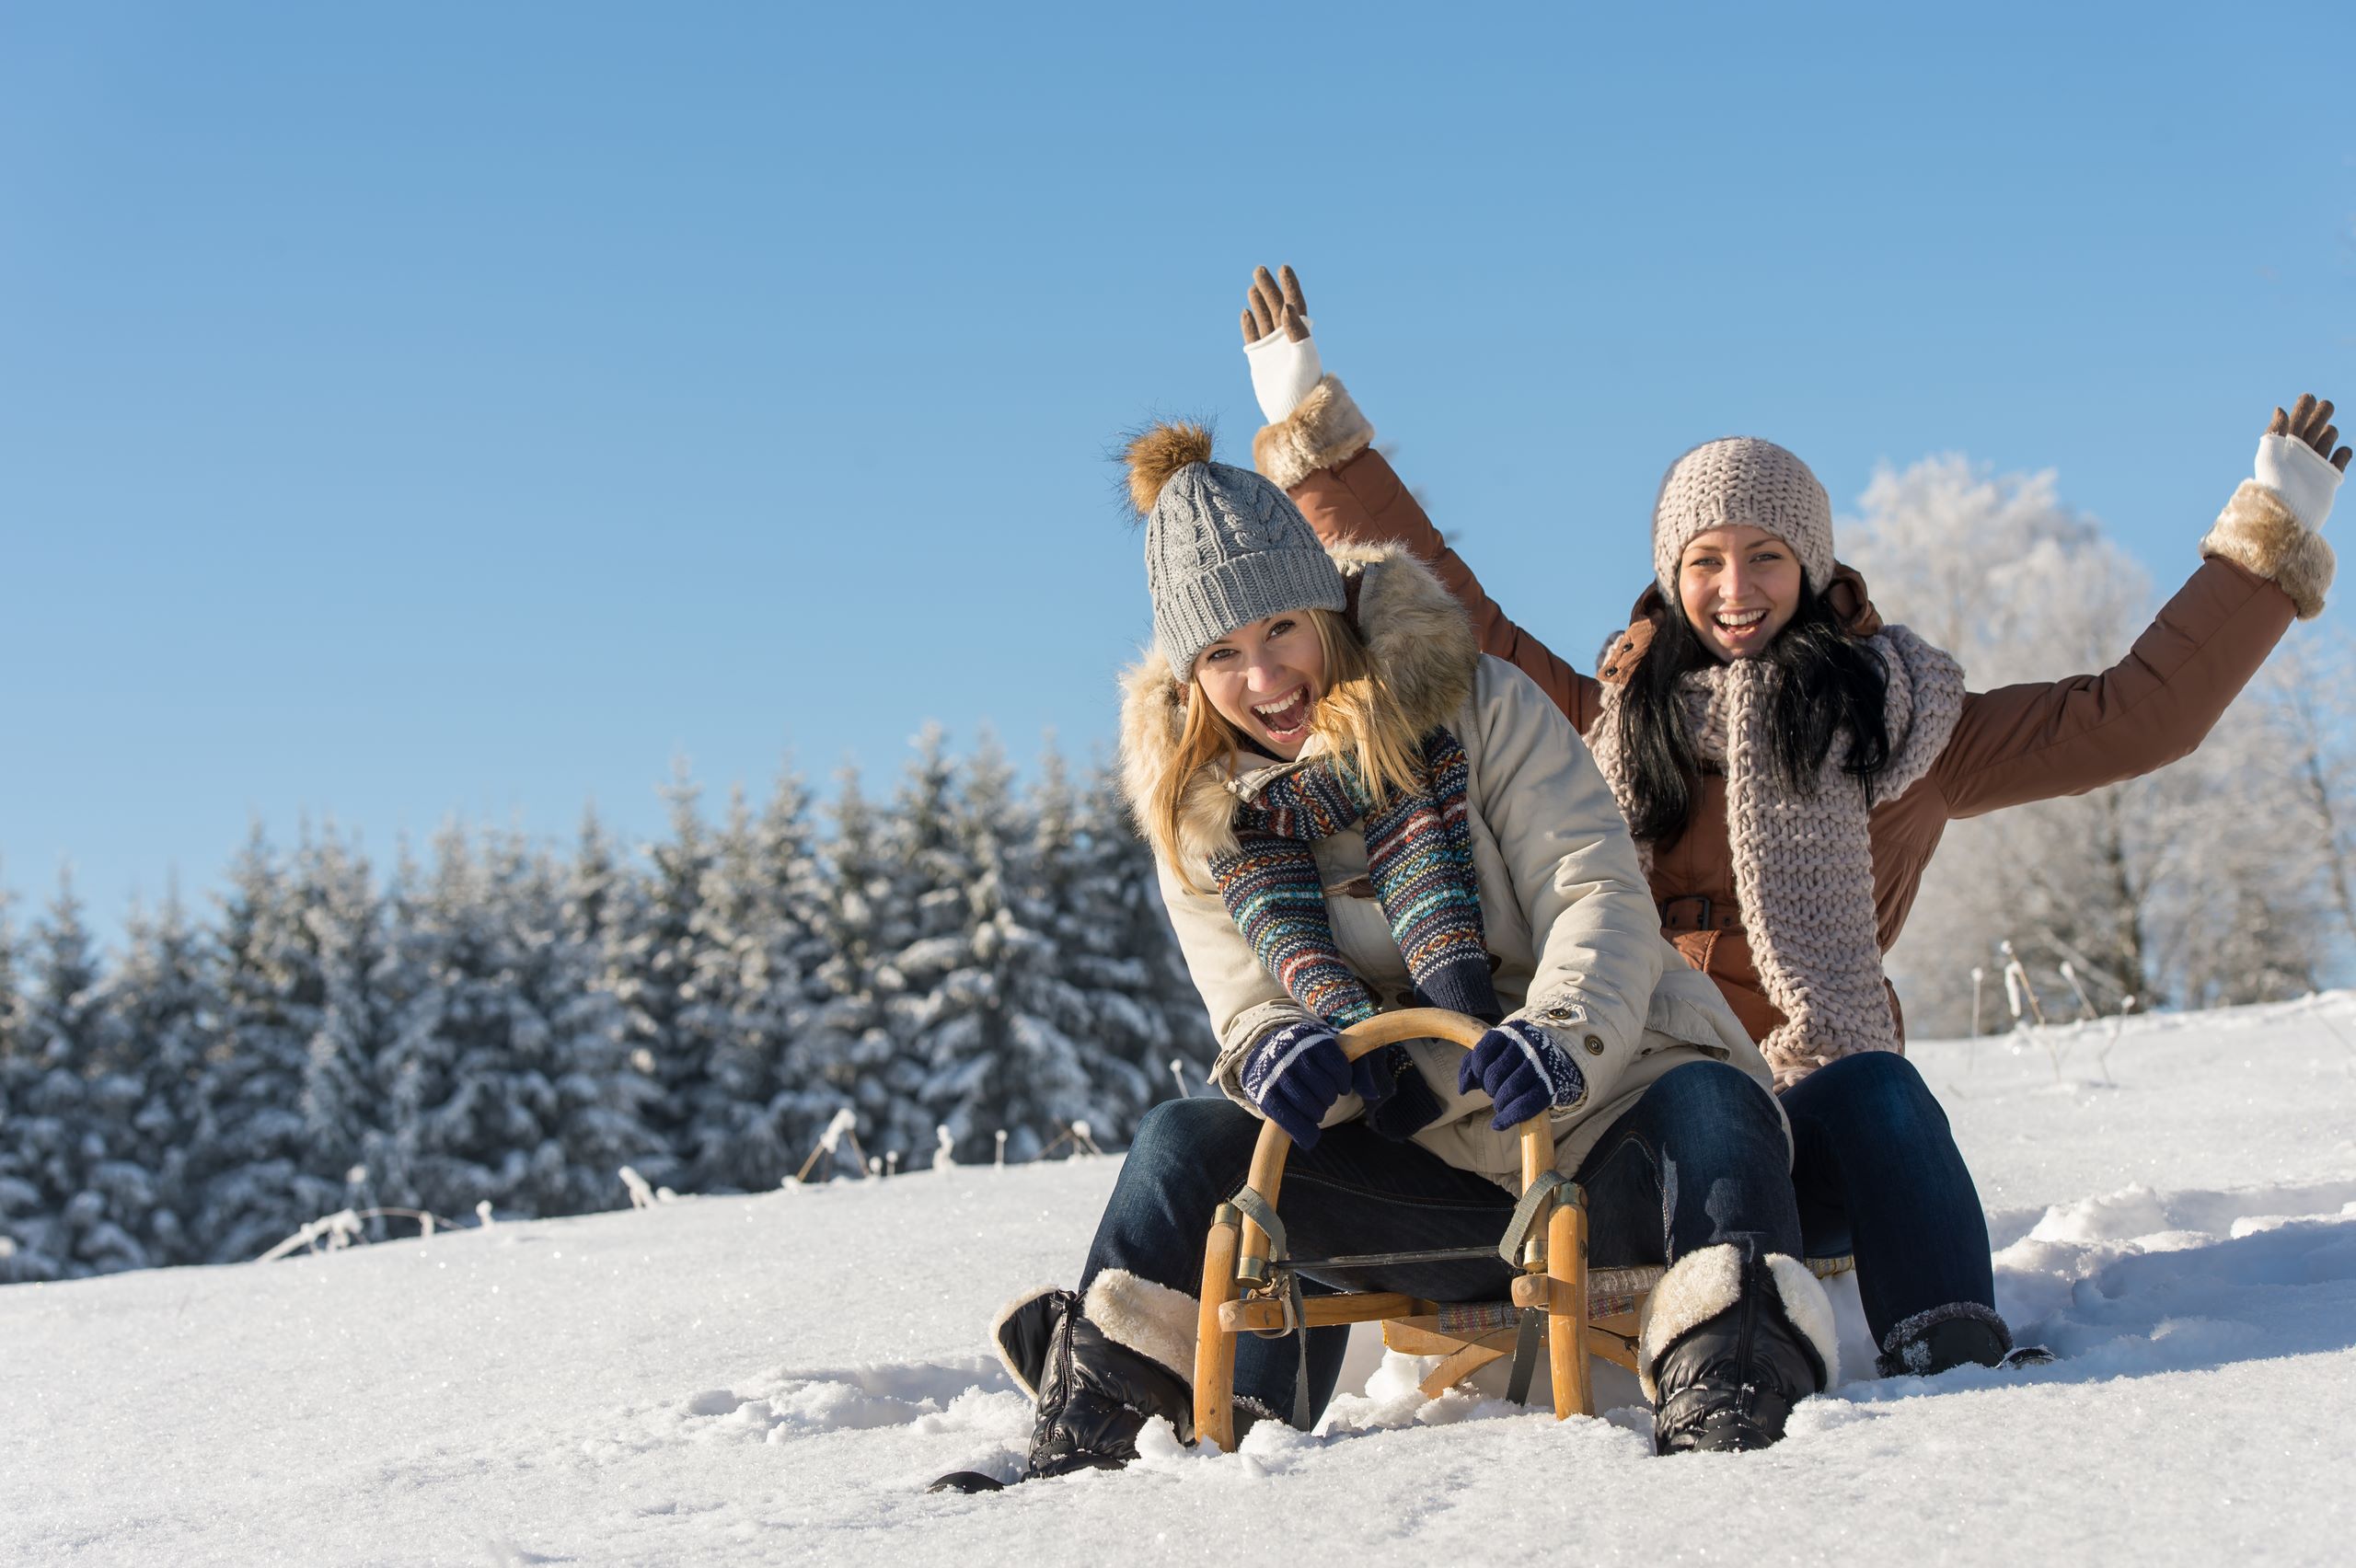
<point x="1720" y="1095"/>
<point x="1185" y="1133"/>
<point x="1878" y="1090"/>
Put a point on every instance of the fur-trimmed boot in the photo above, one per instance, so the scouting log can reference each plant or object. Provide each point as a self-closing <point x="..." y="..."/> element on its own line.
<point x="1731" y="1342"/>
<point x="1098" y="1370"/>
<point x="1961" y="1333"/>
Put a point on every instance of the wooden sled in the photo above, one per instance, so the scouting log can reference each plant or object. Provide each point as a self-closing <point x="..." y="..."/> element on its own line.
<point x="1247" y="1288"/>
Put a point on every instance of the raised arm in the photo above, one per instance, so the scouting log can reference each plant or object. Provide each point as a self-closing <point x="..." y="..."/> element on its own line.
<point x="1321" y="449"/>
<point x="2265" y="562"/>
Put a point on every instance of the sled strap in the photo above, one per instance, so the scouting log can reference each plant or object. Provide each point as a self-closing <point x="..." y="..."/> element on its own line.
<point x="1526" y="1214"/>
<point x="1263" y="1213"/>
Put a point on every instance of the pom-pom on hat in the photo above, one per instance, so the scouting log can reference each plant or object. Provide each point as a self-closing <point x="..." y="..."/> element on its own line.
<point x="1223" y="547"/>
<point x="1743" y="479"/>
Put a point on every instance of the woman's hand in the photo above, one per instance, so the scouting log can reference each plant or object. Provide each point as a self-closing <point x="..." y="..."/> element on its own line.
<point x="2307" y="422"/>
<point x="1521" y="1069"/>
<point x="1269" y="305"/>
<point x="1294" y="1075"/>
<point x="1283" y="363"/>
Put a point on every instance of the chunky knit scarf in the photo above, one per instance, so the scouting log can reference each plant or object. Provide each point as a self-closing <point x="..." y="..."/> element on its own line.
<point x="1419" y="858"/>
<point x="1804" y="864"/>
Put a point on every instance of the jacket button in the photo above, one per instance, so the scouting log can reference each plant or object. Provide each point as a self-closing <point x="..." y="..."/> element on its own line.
<point x="1594" y="1043"/>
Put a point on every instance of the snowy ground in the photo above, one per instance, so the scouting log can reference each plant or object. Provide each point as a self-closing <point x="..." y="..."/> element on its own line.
<point x="774" y="1378"/>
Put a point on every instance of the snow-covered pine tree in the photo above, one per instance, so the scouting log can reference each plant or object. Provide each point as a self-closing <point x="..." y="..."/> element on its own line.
<point x="937" y="976"/>
<point x="165" y="1003"/>
<point x="761" y="897"/>
<point x="561" y="974"/>
<point x="655" y="958"/>
<point x="1130" y="949"/>
<point x="794" y="880"/>
<point x="28" y="1140"/>
<point x="345" y="1112"/>
<point x="726" y="1118"/>
<point x="956" y="835"/>
<point x="20" y="1196"/>
<point x="12" y="1001"/>
<point x="1084" y="1034"/>
<point x="842" y="1057"/>
<point x="95" y="1202"/>
<point x="247" y="1163"/>
<point x="471" y="1101"/>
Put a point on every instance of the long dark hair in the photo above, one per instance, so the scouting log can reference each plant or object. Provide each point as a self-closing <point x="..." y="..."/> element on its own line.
<point x="1832" y="683"/>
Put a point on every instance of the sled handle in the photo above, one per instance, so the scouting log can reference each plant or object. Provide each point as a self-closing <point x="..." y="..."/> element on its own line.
<point x="1381" y="1030"/>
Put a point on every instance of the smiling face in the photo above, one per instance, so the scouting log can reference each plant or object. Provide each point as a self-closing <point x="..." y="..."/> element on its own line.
<point x="1266" y="678"/>
<point x="1738" y="587"/>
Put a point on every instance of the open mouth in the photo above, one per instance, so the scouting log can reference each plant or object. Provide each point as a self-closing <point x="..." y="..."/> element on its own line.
<point x="1739" y="626"/>
<point x="1287" y="719"/>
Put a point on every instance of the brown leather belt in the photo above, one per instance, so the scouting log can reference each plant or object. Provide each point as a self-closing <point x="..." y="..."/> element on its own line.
<point x="1698" y="912"/>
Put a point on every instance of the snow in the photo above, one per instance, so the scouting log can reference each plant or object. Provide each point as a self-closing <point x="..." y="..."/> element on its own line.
<point x="774" y="1378"/>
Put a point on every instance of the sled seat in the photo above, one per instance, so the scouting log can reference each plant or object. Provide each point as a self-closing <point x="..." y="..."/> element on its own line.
<point x="1250" y="1286"/>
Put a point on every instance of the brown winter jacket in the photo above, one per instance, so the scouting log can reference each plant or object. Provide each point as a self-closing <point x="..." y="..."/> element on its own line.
<point x="2017" y="743"/>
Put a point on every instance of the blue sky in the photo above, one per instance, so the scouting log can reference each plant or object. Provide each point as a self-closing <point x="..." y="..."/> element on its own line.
<point x="463" y="409"/>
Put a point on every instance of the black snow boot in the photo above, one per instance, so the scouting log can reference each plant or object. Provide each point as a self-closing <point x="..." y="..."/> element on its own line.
<point x="1732" y="1341"/>
<point x="1961" y="1333"/>
<point x="1094" y="1395"/>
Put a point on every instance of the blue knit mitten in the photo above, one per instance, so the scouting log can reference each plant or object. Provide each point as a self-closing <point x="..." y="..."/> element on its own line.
<point x="1524" y="1072"/>
<point x="1294" y="1075"/>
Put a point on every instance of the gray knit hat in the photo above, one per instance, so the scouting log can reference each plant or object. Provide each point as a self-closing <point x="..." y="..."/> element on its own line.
<point x="1743" y="479"/>
<point x="1223" y="547"/>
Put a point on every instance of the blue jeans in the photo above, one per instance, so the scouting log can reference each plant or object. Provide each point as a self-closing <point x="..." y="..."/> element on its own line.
<point x="1877" y="1174"/>
<point x="1700" y="1160"/>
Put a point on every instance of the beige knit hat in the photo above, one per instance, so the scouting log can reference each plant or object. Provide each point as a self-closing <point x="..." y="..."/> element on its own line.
<point x="1743" y="479"/>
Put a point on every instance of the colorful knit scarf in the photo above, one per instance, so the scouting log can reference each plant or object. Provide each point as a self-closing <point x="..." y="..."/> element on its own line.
<point x="1419" y="859"/>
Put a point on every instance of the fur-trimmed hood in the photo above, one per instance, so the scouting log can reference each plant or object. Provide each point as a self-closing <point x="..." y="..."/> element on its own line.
<point x="1417" y="637"/>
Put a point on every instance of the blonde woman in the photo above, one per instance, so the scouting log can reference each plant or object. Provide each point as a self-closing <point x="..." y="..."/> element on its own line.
<point x="1354" y="810"/>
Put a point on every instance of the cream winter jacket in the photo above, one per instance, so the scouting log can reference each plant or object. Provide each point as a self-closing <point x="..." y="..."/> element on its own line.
<point x="1563" y="898"/>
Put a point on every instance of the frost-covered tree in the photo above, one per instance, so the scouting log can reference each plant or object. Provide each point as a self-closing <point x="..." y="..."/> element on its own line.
<point x="75" y="1119"/>
<point x="2306" y="738"/>
<point x="937" y="974"/>
<point x="1083" y="1031"/>
<point x="470" y="1101"/>
<point x="20" y="1196"/>
<point x="12" y="1016"/>
<point x="345" y="919"/>
<point x="249" y="1163"/>
<point x="2129" y="884"/>
<point x="499" y="1026"/>
<point x="840" y="1058"/>
<point x="654" y="975"/>
<point x="165" y="1005"/>
<point x="572" y="925"/>
<point x="764" y="894"/>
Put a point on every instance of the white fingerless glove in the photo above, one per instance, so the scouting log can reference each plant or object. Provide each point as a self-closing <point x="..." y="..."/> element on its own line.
<point x="2302" y="477"/>
<point x="1283" y="372"/>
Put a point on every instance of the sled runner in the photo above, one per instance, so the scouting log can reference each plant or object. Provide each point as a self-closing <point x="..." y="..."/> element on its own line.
<point x="1250" y="1286"/>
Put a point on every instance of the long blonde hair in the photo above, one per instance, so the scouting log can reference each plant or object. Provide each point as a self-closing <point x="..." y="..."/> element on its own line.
<point x="1356" y="718"/>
